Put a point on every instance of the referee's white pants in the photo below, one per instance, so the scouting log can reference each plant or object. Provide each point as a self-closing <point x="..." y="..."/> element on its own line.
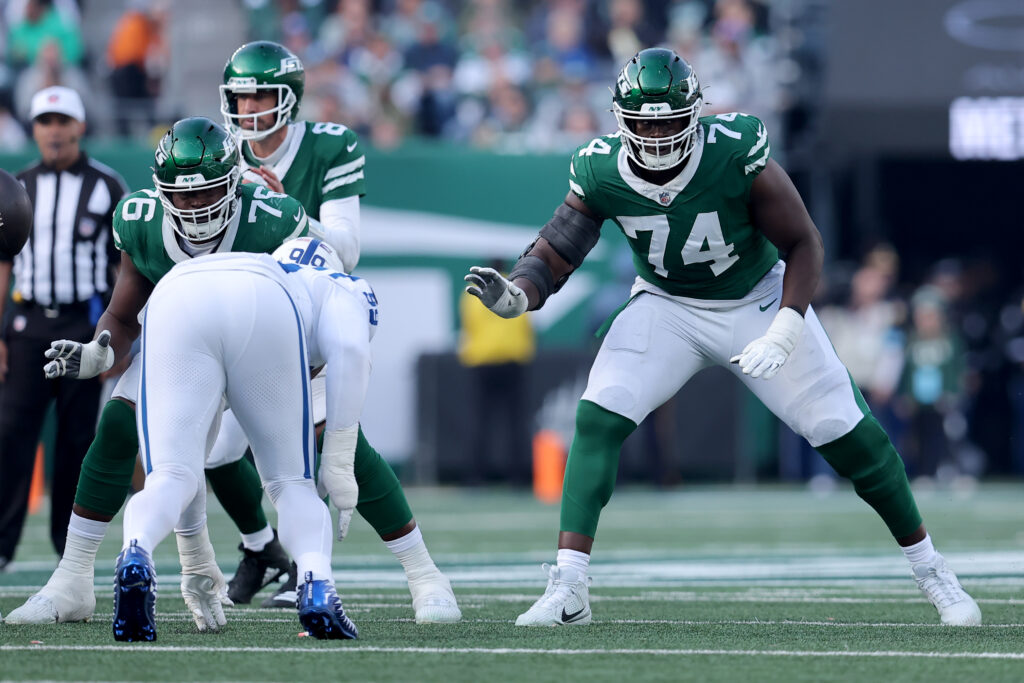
<point x="234" y="334"/>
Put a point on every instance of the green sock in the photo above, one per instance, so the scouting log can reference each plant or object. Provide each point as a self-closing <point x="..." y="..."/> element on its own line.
<point x="382" y="501"/>
<point x="592" y="466"/>
<point x="867" y="457"/>
<point x="238" y="487"/>
<point x="106" y="474"/>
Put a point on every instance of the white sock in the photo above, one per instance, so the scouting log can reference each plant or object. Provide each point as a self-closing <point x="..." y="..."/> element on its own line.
<point x="259" y="540"/>
<point x="573" y="559"/>
<point x="922" y="551"/>
<point x="411" y="551"/>
<point x="304" y="528"/>
<point x="82" y="544"/>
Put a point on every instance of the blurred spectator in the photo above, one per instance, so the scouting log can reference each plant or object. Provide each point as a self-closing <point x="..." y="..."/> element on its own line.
<point x="48" y="70"/>
<point x="496" y="350"/>
<point x="628" y="30"/>
<point x="137" y="56"/>
<point x="40" y="25"/>
<point x="12" y="135"/>
<point x="931" y="389"/>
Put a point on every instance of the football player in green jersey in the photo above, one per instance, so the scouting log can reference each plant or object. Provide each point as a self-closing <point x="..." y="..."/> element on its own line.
<point x="320" y="164"/>
<point x="198" y="207"/>
<point x="706" y="211"/>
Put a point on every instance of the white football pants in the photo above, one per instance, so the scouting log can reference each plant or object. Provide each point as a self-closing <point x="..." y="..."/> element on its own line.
<point x="658" y="342"/>
<point x="236" y="334"/>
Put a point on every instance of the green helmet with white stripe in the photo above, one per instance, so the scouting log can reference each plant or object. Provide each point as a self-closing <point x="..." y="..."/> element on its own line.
<point x="196" y="173"/>
<point x="658" y="85"/>
<point x="256" y="67"/>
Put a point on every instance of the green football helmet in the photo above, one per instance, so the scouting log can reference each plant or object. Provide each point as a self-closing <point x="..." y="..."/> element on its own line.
<point x="657" y="84"/>
<point x="259" y="66"/>
<point x="197" y="155"/>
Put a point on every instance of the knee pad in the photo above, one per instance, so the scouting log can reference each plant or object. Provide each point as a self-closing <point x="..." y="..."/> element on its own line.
<point x="827" y="410"/>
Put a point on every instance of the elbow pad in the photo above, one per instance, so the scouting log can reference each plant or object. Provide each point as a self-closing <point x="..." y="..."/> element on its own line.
<point x="571" y="234"/>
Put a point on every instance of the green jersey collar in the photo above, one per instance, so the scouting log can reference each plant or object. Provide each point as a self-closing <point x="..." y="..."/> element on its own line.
<point x="282" y="158"/>
<point x="663" y="195"/>
<point x="178" y="254"/>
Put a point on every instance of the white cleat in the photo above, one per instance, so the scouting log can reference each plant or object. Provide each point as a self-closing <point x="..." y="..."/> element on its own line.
<point x="434" y="601"/>
<point x="65" y="597"/>
<point x="566" y="602"/>
<point x="939" y="584"/>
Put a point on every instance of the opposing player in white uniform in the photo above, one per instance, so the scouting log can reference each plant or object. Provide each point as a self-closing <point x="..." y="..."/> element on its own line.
<point x="246" y="328"/>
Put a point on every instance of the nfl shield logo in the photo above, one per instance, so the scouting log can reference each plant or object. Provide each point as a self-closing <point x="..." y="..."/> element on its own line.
<point x="664" y="198"/>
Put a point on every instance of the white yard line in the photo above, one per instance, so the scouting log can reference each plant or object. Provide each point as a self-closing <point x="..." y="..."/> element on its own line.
<point x="347" y="650"/>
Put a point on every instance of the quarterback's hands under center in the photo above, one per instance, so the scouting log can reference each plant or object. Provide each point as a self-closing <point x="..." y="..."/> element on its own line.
<point x="766" y="355"/>
<point x="81" y="361"/>
<point x="496" y="292"/>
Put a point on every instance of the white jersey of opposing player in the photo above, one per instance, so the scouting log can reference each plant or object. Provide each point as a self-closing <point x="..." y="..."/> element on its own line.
<point x="339" y="316"/>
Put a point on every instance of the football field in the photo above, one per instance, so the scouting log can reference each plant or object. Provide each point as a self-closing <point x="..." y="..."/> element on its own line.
<point x="699" y="583"/>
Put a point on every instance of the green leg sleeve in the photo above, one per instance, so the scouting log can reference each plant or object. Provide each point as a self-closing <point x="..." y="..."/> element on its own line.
<point x="867" y="457"/>
<point x="238" y="487"/>
<point x="592" y="466"/>
<point x="108" y="465"/>
<point x="382" y="501"/>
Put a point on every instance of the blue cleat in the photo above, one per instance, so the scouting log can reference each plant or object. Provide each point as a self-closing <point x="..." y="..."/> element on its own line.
<point x="134" y="596"/>
<point x="321" y="613"/>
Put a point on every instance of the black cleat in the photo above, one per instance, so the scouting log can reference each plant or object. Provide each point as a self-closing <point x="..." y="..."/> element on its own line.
<point x="257" y="570"/>
<point x="285" y="596"/>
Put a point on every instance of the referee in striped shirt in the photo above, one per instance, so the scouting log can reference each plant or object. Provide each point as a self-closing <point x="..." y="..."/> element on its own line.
<point x="61" y="279"/>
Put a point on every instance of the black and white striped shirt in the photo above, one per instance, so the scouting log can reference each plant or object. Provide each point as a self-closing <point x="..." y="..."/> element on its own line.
<point x="66" y="260"/>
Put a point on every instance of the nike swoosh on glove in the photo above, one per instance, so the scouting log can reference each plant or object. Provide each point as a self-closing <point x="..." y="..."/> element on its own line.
<point x="80" y="361"/>
<point x="496" y="292"/>
<point x="766" y="355"/>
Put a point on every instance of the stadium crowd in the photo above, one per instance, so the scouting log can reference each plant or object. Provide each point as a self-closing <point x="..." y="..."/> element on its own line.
<point x="533" y="76"/>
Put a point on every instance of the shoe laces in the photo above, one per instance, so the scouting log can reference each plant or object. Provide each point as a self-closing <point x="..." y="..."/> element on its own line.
<point x="939" y="584"/>
<point x="559" y="589"/>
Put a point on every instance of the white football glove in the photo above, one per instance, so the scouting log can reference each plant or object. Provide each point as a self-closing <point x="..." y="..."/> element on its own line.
<point x="764" y="356"/>
<point x="202" y="584"/>
<point x="338" y="474"/>
<point x="81" y="361"/>
<point x="496" y="292"/>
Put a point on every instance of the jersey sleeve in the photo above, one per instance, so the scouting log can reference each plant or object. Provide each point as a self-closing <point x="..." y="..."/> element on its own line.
<point x="345" y="162"/>
<point x="131" y="216"/>
<point x="343" y="338"/>
<point x="751" y="149"/>
<point x="582" y="174"/>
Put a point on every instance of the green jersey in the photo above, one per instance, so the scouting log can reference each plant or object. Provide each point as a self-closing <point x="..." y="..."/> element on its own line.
<point x="692" y="236"/>
<point x="262" y="221"/>
<point x="322" y="161"/>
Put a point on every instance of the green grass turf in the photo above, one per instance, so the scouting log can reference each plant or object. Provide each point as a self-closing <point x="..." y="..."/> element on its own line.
<point x="702" y="584"/>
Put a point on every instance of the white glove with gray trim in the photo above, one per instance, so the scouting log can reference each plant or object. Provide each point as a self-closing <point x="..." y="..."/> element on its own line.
<point x="764" y="356"/>
<point x="496" y="292"/>
<point x="81" y="361"/>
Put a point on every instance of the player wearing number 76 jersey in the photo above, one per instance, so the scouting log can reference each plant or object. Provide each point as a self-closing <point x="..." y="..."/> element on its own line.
<point x="706" y="211"/>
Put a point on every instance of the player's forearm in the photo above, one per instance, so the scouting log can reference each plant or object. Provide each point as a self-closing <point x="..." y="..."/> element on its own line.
<point x="803" y="270"/>
<point x="122" y="333"/>
<point x="549" y="260"/>
<point x="339" y="227"/>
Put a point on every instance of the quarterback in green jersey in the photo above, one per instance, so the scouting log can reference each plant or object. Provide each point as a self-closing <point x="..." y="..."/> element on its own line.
<point x="706" y="212"/>
<point x="320" y="164"/>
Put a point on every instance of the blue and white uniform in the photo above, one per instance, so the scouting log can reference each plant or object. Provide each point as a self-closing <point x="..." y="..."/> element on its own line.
<point x="245" y="328"/>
